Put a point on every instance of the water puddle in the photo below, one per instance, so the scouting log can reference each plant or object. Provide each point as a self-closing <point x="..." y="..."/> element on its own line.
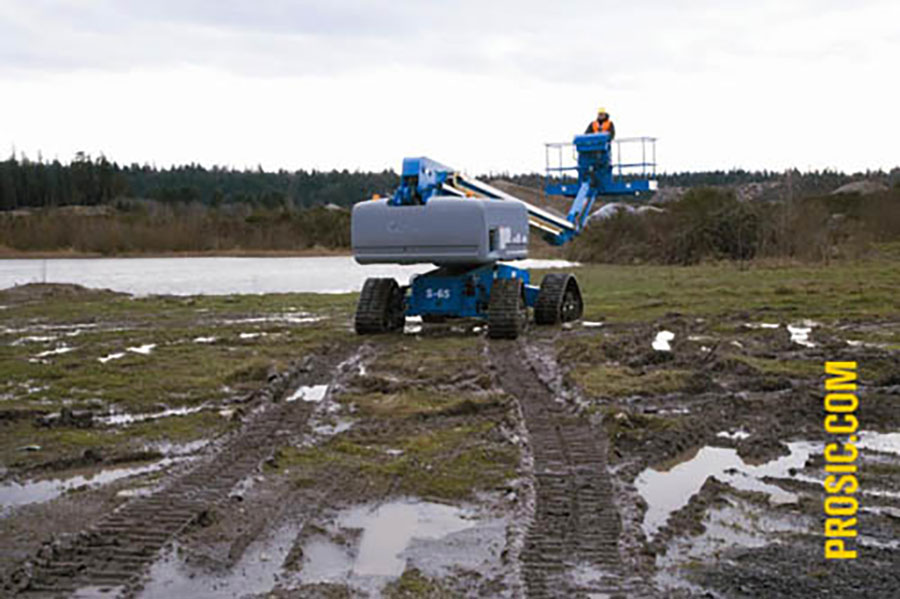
<point x="738" y="435"/>
<point x="800" y="332"/>
<point x="663" y="340"/>
<point x="735" y="525"/>
<point x="34" y="339"/>
<point x="329" y="429"/>
<point x="669" y="489"/>
<point x="251" y="335"/>
<point x="413" y="325"/>
<point x="111" y="357"/>
<point x="389" y="528"/>
<point x="170" y="449"/>
<point x="313" y="393"/>
<point x="219" y="275"/>
<point x="124" y="418"/>
<point x="288" y="317"/>
<point x="204" y="339"/>
<point x="257" y="572"/>
<point x="591" y="324"/>
<point x="144" y="350"/>
<point x="14" y="494"/>
<point x="761" y="325"/>
<point x="883" y="442"/>
<point x="63" y="349"/>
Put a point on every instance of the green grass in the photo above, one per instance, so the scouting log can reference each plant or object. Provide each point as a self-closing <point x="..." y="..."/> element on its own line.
<point x="619" y="381"/>
<point x="415" y="585"/>
<point x="413" y="443"/>
<point x="178" y="371"/>
<point x="841" y="290"/>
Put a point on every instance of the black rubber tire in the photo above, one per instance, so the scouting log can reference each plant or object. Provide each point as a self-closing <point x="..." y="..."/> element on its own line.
<point x="507" y="312"/>
<point x="380" y="308"/>
<point x="559" y="300"/>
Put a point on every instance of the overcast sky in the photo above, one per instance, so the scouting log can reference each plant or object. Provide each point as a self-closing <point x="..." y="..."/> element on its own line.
<point x="479" y="85"/>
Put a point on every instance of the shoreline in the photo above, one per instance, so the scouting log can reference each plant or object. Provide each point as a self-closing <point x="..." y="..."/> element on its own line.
<point x="73" y="255"/>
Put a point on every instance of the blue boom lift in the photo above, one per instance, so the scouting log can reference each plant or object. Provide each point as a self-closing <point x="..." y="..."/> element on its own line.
<point x="466" y="228"/>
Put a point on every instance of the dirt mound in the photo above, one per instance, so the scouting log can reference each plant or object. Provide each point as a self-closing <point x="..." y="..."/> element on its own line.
<point x="862" y="188"/>
<point x="31" y="292"/>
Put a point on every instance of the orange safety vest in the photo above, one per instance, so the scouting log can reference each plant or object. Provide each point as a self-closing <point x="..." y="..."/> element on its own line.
<point x="596" y="127"/>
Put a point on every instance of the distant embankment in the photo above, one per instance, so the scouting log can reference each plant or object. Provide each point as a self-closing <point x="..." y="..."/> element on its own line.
<point x="153" y="228"/>
<point x="737" y="223"/>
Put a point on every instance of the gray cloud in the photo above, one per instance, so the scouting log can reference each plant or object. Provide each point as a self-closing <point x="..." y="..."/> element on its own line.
<point x="568" y="41"/>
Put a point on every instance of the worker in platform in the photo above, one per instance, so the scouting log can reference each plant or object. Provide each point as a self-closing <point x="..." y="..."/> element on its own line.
<point x="602" y="124"/>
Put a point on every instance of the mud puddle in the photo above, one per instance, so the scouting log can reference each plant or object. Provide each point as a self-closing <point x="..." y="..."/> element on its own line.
<point x="362" y="547"/>
<point x="366" y="546"/>
<point x="388" y="529"/>
<point x="258" y="571"/>
<point x="671" y="487"/>
<point x="15" y="494"/>
<point x="726" y="527"/>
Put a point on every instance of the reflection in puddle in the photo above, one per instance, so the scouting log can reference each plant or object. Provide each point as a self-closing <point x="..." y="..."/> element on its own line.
<point x="325" y="561"/>
<point x="669" y="490"/>
<point x="389" y="528"/>
<point x="36" y="491"/>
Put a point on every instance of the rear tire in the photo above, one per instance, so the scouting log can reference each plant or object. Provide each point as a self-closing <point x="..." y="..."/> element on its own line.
<point x="507" y="312"/>
<point x="559" y="300"/>
<point x="380" y="308"/>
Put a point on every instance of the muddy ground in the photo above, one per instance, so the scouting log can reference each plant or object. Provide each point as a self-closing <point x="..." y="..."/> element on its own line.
<point x="260" y="449"/>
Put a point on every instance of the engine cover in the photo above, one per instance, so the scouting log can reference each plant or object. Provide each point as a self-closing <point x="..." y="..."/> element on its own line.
<point x="444" y="231"/>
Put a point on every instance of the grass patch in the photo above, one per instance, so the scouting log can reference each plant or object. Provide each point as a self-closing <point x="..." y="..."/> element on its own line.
<point x="620" y="381"/>
<point x="178" y="371"/>
<point x="840" y="290"/>
<point x="415" y="585"/>
<point x="448" y="464"/>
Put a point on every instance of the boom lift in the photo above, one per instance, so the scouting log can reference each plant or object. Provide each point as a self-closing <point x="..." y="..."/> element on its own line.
<point x="469" y="229"/>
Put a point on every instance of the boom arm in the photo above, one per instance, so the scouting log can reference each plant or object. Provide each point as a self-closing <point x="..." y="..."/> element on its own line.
<point x="423" y="178"/>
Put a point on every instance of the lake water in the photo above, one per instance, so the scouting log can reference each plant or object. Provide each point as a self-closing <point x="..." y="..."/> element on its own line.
<point x="216" y="275"/>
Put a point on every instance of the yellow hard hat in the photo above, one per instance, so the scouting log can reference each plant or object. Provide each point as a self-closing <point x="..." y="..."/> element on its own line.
<point x="602" y="110"/>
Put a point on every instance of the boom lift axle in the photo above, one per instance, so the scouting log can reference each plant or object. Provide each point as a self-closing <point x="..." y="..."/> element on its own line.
<point x="469" y="229"/>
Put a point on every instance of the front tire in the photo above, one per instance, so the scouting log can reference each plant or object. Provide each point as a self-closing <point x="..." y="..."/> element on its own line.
<point x="507" y="312"/>
<point x="559" y="300"/>
<point x="380" y="308"/>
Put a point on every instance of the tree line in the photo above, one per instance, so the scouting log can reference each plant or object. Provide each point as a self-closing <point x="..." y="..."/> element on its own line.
<point x="87" y="181"/>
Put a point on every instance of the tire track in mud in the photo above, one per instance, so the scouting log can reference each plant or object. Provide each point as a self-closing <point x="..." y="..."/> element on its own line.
<point x="572" y="544"/>
<point x="115" y="552"/>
